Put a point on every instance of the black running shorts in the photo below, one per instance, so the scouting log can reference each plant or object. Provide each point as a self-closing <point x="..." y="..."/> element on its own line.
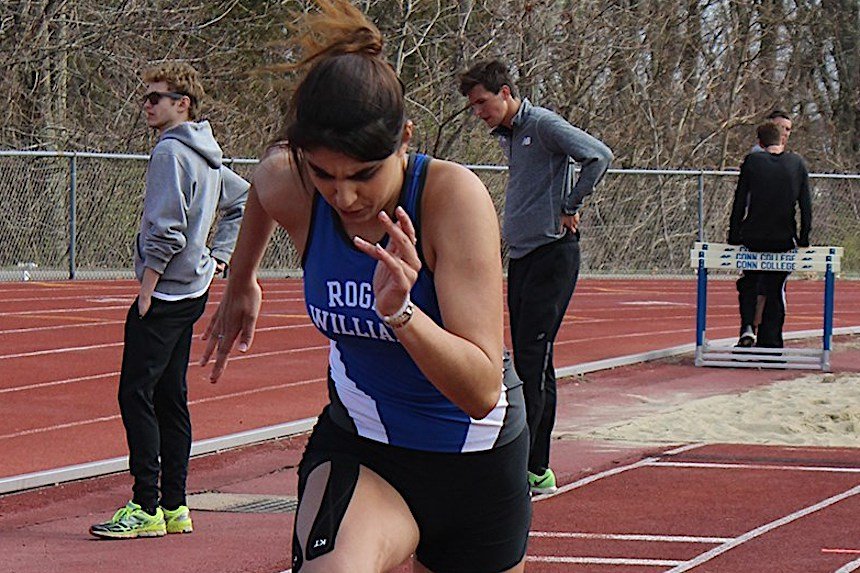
<point x="472" y="509"/>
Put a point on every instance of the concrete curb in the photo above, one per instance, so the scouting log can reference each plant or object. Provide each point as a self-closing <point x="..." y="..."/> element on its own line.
<point x="103" y="467"/>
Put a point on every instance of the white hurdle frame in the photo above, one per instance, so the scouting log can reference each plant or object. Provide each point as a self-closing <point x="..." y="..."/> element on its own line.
<point x="706" y="256"/>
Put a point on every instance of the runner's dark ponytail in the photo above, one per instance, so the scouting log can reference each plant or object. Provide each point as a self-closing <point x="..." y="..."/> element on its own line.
<point x="350" y="99"/>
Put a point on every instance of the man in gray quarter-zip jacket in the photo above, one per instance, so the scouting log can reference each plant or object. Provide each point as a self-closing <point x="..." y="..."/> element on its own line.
<point x="540" y="229"/>
<point x="186" y="187"/>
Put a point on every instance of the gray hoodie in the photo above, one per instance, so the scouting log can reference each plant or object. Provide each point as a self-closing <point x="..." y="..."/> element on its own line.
<point x="186" y="186"/>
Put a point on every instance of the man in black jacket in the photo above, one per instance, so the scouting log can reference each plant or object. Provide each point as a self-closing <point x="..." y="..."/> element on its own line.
<point x="763" y="219"/>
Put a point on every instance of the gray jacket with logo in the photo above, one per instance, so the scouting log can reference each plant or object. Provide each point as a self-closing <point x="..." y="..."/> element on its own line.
<point x="538" y="148"/>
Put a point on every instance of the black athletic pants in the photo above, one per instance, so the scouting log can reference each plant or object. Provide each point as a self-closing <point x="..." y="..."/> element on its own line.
<point x="540" y="286"/>
<point x="770" y="284"/>
<point x="153" y="398"/>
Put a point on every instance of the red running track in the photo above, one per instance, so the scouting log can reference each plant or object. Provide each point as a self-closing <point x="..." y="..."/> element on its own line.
<point x="623" y="507"/>
<point x="61" y="345"/>
<point x="717" y="508"/>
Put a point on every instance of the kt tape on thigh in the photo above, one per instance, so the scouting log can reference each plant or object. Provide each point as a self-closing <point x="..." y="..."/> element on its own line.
<point x="342" y="479"/>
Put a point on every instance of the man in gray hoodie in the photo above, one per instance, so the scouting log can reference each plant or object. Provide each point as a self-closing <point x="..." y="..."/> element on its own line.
<point x="186" y="187"/>
<point x="540" y="228"/>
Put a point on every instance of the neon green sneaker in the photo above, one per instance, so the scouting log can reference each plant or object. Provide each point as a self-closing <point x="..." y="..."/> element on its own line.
<point x="544" y="483"/>
<point x="130" y="522"/>
<point x="178" y="520"/>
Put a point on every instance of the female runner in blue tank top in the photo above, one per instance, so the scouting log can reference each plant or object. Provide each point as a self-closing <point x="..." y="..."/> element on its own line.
<point x="422" y="449"/>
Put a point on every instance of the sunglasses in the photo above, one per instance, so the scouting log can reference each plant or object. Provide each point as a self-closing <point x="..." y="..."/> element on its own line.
<point x="154" y="97"/>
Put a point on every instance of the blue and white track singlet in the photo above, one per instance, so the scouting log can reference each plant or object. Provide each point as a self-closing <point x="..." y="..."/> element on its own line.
<point x="375" y="388"/>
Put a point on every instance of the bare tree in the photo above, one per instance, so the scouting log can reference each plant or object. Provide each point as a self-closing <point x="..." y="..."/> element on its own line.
<point x="668" y="83"/>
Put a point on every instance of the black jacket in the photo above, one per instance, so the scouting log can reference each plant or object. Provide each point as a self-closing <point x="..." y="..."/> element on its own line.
<point x="763" y="213"/>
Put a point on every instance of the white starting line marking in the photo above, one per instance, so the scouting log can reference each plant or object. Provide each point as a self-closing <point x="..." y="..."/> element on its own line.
<point x="725" y="545"/>
<point x="630" y="537"/>
<point x="849" y="567"/>
<point x="604" y="561"/>
<point x="825" y="469"/>
<point x="620" y="469"/>
<point x="753" y="533"/>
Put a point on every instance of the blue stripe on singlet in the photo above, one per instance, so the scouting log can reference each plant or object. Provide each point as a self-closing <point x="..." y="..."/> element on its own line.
<point x="376" y="389"/>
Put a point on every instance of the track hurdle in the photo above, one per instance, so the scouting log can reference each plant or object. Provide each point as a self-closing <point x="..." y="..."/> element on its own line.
<point x="705" y="256"/>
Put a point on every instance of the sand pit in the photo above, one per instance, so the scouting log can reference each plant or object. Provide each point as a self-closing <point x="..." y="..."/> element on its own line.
<point x="816" y="410"/>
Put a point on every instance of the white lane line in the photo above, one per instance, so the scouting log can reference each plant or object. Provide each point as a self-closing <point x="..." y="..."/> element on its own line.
<point x="849" y="567"/>
<point x="192" y="363"/>
<point x="630" y="537"/>
<point x="758" y="531"/>
<point x="620" y="469"/>
<point x="64" y="350"/>
<point x="120" y="297"/>
<point x="257" y="390"/>
<point x="45" y="311"/>
<point x="595" y="477"/>
<point x="127" y="295"/>
<point x="124" y="307"/>
<point x="99" y="323"/>
<point x="44" y="429"/>
<point x="191" y="403"/>
<point x="603" y="561"/>
<point x="108" y="297"/>
<point x="657" y="303"/>
<point x="628" y="335"/>
<point x="55" y="427"/>
<point x="59" y="350"/>
<point x="60" y="327"/>
<point x="824" y="469"/>
<point x="57" y="382"/>
<point x="238" y="357"/>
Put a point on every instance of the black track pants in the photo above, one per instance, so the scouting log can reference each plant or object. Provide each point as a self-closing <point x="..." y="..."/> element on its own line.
<point x="153" y="398"/>
<point x="540" y="286"/>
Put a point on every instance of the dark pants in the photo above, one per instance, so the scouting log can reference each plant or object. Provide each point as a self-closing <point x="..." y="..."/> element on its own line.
<point x="771" y="285"/>
<point x="540" y="286"/>
<point x="153" y="398"/>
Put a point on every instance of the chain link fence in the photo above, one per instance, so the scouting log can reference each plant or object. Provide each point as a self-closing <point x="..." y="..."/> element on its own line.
<point x="75" y="216"/>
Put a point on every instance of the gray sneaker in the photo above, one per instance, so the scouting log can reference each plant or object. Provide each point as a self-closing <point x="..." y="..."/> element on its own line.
<point x="747" y="339"/>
